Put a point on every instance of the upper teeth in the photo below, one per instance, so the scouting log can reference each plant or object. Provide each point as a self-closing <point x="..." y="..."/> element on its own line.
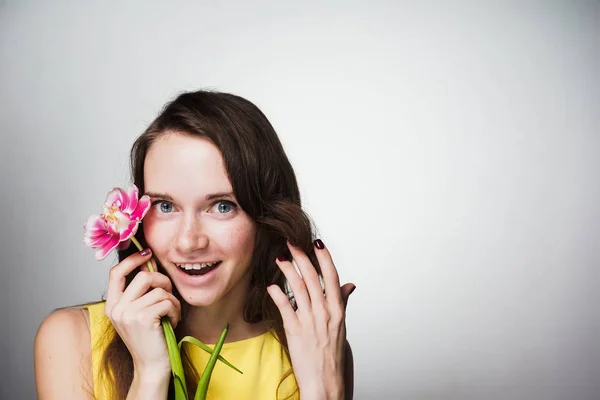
<point x="197" y="265"/>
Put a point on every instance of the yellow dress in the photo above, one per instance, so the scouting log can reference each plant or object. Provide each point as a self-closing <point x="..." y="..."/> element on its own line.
<point x="262" y="360"/>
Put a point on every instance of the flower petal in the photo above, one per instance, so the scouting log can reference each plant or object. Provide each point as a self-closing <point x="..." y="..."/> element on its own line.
<point x="95" y="225"/>
<point x="132" y="199"/>
<point x="129" y="231"/>
<point x="107" y="248"/>
<point x="117" y="197"/>
<point x="97" y="241"/>
<point x="112" y="228"/>
<point x="142" y="208"/>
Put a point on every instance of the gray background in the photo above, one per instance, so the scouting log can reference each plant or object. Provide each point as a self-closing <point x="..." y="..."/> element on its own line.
<point x="447" y="151"/>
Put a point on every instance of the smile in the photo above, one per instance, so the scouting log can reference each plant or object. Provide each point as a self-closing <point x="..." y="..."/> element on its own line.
<point x="199" y="268"/>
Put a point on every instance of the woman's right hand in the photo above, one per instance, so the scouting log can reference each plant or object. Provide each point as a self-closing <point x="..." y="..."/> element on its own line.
<point x="136" y="312"/>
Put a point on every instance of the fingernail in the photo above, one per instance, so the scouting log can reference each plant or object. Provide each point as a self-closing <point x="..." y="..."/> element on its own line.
<point x="145" y="252"/>
<point x="319" y="243"/>
<point x="282" y="258"/>
<point x="352" y="290"/>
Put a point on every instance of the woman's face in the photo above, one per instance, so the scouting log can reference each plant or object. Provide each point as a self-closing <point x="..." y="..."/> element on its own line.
<point x="195" y="227"/>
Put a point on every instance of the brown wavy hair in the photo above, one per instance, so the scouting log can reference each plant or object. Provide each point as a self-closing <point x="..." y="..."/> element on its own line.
<point x="264" y="184"/>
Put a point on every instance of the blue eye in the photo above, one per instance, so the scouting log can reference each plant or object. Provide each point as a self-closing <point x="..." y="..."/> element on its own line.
<point x="164" y="206"/>
<point x="224" y="206"/>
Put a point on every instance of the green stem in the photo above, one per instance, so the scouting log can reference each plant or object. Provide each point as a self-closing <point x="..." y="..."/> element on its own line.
<point x="140" y="248"/>
<point x="172" y="347"/>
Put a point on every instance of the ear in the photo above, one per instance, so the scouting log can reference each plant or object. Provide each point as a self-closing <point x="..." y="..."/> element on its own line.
<point x="346" y="290"/>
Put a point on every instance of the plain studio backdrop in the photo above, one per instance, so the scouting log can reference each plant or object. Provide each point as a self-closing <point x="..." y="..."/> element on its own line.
<point x="448" y="153"/>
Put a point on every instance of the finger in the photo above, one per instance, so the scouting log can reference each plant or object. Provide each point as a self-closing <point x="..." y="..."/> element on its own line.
<point x="331" y="278"/>
<point x="116" y="277"/>
<point x="296" y="283"/>
<point x="309" y="275"/>
<point x="155" y="296"/>
<point x="290" y="319"/>
<point x="143" y="282"/>
<point x="159" y="310"/>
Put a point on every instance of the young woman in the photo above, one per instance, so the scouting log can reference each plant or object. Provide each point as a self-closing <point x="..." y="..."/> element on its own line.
<point x="225" y="223"/>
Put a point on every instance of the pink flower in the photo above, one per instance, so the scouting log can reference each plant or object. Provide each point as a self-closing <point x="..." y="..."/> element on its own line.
<point x="118" y="224"/>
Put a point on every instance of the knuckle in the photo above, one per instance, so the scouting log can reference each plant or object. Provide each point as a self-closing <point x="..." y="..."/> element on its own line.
<point x="176" y="302"/>
<point x="114" y="272"/>
<point x="333" y="314"/>
<point x="163" y="279"/>
<point x="160" y="290"/>
<point x="161" y="293"/>
<point x="141" y="318"/>
<point x="120" y="317"/>
<point x="124" y="316"/>
<point x="125" y="320"/>
<point x="114" y="311"/>
<point x="143" y="276"/>
<point x="325" y="316"/>
<point x="337" y="316"/>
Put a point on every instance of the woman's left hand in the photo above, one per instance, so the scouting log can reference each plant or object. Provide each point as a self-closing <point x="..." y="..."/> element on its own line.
<point x="316" y="331"/>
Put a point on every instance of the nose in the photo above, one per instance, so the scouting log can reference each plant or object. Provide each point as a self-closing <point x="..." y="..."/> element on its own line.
<point x="190" y="236"/>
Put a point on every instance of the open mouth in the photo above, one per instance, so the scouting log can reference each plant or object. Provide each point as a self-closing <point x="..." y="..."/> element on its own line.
<point x="199" y="268"/>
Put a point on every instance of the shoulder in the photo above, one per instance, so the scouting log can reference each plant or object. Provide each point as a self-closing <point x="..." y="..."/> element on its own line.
<point x="61" y="348"/>
<point x="64" y="326"/>
<point x="65" y="317"/>
<point x="67" y="326"/>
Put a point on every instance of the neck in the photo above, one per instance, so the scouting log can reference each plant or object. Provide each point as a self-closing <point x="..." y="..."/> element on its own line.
<point x="206" y="323"/>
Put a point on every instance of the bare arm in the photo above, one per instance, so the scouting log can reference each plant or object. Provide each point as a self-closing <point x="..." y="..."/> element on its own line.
<point x="62" y="360"/>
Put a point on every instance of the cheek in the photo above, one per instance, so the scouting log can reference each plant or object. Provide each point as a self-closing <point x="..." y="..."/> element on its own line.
<point x="241" y="240"/>
<point x="154" y="234"/>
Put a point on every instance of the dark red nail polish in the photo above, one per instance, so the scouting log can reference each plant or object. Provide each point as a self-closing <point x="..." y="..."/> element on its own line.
<point x="145" y="252"/>
<point x="352" y="290"/>
<point x="282" y="258"/>
<point x="319" y="243"/>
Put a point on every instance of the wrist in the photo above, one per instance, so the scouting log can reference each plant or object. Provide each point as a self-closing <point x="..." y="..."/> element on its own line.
<point x="149" y="385"/>
<point x="152" y="376"/>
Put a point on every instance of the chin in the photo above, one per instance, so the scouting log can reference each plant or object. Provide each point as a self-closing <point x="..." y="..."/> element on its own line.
<point x="195" y="300"/>
<point x="200" y="297"/>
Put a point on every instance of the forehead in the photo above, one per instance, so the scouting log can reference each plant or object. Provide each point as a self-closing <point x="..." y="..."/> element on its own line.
<point x="180" y="165"/>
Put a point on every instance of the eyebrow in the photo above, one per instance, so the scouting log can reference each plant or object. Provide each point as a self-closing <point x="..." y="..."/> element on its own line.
<point x="210" y="196"/>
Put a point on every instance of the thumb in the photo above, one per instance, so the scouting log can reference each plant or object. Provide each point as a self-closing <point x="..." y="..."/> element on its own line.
<point x="346" y="290"/>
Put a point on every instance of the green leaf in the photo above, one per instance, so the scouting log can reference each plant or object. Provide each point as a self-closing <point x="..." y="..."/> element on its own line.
<point x="205" y="378"/>
<point x="175" y="359"/>
<point x="194" y="341"/>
